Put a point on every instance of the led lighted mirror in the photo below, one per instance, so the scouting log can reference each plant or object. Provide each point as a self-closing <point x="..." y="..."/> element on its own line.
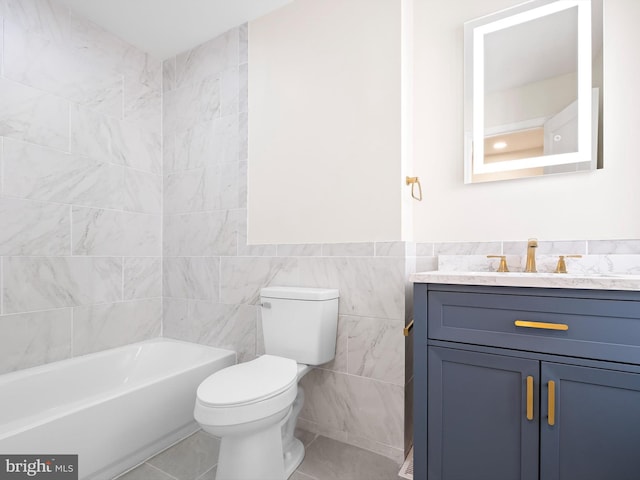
<point x="533" y="90"/>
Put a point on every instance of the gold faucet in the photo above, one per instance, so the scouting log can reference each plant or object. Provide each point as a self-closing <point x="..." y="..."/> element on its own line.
<point x="562" y="265"/>
<point x="531" y="256"/>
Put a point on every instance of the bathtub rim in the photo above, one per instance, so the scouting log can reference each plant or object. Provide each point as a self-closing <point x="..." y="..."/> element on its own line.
<point x="36" y="369"/>
<point x="22" y="424"/>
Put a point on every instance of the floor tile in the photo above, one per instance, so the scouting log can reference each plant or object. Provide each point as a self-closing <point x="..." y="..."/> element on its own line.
<point x="304" y="436"/>
<point x="195" y="458"/>
<point x="301" y="476"/>
<point x="190" y="458"/>
<point x="328" y="459"/>
<point x="145" y="472"/>
<point x="209" y="475"/>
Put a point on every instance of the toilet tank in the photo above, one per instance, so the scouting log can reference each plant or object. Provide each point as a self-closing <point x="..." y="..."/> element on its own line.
<point x="300" y="323"/>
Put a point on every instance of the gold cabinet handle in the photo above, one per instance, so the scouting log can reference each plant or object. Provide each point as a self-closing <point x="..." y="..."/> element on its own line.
<point x="407" y="329"/>
<point x="542" y="325"/>
<point x="529" y="397"/>
<point x="551" y="403"/>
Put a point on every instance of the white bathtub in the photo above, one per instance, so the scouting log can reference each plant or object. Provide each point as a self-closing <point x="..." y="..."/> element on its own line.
<point x="114" y="408"/>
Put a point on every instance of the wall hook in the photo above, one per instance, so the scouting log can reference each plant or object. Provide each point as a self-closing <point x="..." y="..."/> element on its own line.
<point x="413" y="181"/>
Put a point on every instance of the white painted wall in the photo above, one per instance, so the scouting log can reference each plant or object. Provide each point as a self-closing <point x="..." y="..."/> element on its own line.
<point x="595" y="205"/>
<point x="324" y="123"/>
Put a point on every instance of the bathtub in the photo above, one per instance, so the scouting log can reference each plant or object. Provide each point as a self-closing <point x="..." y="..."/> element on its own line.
<point x="114" y="408"/>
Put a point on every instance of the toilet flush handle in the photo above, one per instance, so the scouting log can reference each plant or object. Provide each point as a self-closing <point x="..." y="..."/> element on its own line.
<point x="265" y="304"/>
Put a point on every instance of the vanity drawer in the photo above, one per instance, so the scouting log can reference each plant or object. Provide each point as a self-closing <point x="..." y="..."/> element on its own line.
<point x="588" y="328"/>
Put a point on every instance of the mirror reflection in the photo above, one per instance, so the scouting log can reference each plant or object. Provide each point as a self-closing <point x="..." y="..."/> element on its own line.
<point x="533" y="78"/>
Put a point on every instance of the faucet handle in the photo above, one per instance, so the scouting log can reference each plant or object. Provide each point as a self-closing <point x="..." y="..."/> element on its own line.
<point x="562" y="266"/>
<point x="503" y="267"/>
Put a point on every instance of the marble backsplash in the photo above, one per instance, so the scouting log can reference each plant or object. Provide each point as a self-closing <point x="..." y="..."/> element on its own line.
<point x="597" y="256"/>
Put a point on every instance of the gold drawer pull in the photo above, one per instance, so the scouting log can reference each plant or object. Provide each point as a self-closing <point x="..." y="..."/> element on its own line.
<point x="542" y="325"/>
<point x="529" y="397"/>
<point x="552" y="403"/>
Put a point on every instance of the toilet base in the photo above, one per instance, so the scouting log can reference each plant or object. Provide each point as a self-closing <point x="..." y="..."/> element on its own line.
<point x="250" y="457"/>
<point x="265" y="449"/>
<point x="293" y="458"/>
<point x="253" y="457"/>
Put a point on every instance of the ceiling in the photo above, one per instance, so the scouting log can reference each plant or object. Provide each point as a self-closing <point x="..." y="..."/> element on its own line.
<point x="164" y="28"/>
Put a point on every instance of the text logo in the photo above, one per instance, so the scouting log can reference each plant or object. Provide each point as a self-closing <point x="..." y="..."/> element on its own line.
<point x="50" y="467"/>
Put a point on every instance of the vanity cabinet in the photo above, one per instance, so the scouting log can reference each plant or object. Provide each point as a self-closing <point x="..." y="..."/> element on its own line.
<point x="557" y="398"/>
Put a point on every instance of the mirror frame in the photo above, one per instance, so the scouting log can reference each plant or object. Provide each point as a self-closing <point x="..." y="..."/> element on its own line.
<point x="474" y="130"/>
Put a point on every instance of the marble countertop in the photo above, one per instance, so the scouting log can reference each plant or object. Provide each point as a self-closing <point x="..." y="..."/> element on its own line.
<point x="608" y="281"/>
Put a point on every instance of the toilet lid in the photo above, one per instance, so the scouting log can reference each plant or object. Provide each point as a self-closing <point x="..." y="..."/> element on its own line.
<point x="249" y="382"/>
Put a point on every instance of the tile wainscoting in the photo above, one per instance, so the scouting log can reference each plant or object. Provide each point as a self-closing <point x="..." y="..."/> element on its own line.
<point x="358" y="397"/>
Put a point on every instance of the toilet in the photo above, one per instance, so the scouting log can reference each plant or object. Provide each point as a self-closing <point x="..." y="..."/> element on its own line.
<point x="253" y="406"/>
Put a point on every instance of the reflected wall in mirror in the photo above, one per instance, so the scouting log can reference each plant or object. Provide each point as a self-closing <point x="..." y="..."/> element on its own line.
<point x="533" y="90"/>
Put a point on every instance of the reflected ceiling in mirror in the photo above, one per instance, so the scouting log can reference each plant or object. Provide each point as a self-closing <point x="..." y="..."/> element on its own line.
<point x="533" y="90"/>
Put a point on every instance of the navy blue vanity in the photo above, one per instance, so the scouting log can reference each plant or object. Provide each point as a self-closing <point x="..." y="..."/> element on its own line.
<point x="526" y="383"/>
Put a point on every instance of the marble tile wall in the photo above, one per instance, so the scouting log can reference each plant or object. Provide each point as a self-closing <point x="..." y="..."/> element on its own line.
<point x="212" y="277"/>
<point x="80" y="187"/>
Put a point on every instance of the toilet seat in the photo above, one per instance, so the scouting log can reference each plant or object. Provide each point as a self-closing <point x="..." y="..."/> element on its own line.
<point x="247" y="392"/>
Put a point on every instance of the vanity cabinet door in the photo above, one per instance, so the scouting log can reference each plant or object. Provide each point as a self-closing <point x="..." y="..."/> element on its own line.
<point x="596" y="430"/>
<point x="477" y="416"/>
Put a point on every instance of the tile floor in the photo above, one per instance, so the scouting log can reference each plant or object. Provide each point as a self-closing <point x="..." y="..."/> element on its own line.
<point x="195" y="458"/>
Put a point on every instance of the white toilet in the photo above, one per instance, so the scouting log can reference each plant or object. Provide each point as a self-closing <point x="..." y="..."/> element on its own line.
<point x="253" y="406"/>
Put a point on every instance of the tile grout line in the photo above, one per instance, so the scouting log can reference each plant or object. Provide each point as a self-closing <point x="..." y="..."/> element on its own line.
<point x="122" y="284"/>
<point x="99" y="159"/>
<point x="2" y="190"/>
<point x="87" y="206"/>
<point x="204" y="473"/>
<point x="166" y="473"/>
<point x="1" y="285"/>
<point x="220" y="280"/>
<point x="69" y="129"/>
<point x="87" y="305"/>
<point x="346" y="327"/>
<point x="73" y="319"/>
<point x="97" y="256"/>
<point x="1" y="166"/>
<point x="162" y="192"/>
<point x="70" y="229"/>
<point x="371" y="379"/>
<point x="158" y="469"/>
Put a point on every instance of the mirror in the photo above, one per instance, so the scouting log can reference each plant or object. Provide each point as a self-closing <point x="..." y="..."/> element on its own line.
<point x="533" y="90"/>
